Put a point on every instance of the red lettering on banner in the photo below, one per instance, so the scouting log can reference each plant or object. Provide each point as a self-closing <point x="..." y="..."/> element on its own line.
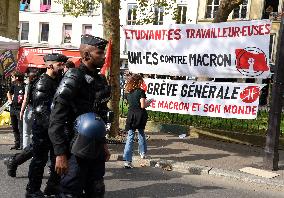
<point x="171" y="34"/>
<point x="153" y="104"/>
<point x="195" y="106"/>
<point x="243" y="31"/>
<point x="216" y="108"/>
<point x="245" y="110"/>
<point x="175" y="105"/>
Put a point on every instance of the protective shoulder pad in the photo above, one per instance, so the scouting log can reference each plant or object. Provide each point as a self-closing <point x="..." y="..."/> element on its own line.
<point x="69" y="85"/>
<point x="103" y="79"/>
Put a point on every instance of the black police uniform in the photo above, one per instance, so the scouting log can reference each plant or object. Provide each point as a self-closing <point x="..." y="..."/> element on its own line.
<point x="18" y="92"/>
<point x="42" y="95"/>
<point x="17" y="159"/>
<point x="81" y="91"/>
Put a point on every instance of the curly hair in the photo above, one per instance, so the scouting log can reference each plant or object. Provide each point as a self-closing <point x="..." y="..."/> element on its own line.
<point x="20" y="76"/>
<point x="134" y="82"/>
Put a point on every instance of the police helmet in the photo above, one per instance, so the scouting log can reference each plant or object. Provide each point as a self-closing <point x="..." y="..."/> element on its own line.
<point x="90" y="129"/>
<point x="90" y="125"/>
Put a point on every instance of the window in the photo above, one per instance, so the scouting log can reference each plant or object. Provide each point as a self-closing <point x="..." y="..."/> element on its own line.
<point x="67" y="33"/>
<point x="44" y="32"/>
<point x="24" y="29"/>
<point x="212" y="7"/>
<point x="159" y="16"/>
<point x="270" y="9"/>
<point x="45" y="5"/>
<point x="87" y="29"/>
<point x="181" y="14"/>
<point x="241" y="11"/>
<point x="238" y="13"/>
<point x="24" y="5"/>
<point x="272" y="47"/>
<point x="131" y="16"/>
<point x="45" y="2"/>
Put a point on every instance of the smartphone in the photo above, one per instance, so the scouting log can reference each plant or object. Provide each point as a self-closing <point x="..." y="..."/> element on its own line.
<point x="150" y="100"/>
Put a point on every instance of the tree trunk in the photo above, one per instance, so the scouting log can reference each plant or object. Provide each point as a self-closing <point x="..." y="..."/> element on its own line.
<point x="224" y="10"/>
<point x="112" y="31"/>
<point x="222" y="14"/>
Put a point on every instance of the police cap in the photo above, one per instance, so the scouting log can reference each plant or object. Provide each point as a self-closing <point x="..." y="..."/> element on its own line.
<point x="94" y="41"/>
<point x="55" y="57"/>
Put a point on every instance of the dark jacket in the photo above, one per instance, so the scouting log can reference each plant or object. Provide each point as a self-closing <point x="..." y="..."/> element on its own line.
<point x="42" y="92"/>
<point x="80" y="91"/>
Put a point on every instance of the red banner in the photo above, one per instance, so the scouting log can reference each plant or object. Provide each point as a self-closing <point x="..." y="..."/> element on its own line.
<point x="33" y="57"/>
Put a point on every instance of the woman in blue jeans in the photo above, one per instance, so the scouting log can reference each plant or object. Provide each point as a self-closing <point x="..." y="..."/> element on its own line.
<point x="136" y="118"/>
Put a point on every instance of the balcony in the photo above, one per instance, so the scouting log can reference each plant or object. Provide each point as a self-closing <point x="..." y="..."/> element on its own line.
<point x="44" y="8"/>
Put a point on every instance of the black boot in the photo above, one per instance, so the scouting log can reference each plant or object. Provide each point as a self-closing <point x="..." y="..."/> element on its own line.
<point x="11" y="166"/>
<point x="13" y="162"/>
<point x="51" y="189"/>
<point x="16" y="147"/>
<point x="37" y="194"/>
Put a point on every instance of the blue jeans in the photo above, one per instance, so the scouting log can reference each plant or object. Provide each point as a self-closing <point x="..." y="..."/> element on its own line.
<point x="27" y="126"/>
<point x="128" y="149"/>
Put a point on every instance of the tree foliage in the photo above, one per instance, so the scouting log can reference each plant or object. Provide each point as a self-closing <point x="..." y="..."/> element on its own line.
<point x="79" y="7"/>
<point x="145" y="8"/>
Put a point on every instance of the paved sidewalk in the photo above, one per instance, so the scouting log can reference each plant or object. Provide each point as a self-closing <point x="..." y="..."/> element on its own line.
<point x="195" y="156"/>
<point x="203" y="156"/>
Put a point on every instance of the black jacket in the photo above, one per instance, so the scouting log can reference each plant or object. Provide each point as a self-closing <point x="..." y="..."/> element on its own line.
<point x="42" y="94"/>
<point x="80" y="91"/>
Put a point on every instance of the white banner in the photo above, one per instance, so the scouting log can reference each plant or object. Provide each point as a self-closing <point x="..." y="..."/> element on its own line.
<point x="213" y="99"/>
<point x="217" y="50"/>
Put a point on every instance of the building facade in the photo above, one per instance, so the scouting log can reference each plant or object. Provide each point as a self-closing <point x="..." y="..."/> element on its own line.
<point x="43" y="24"/>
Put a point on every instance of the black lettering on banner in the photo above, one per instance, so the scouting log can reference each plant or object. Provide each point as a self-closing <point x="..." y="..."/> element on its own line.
<point x="183" y="90"/>
<point x="174" y="89"/>
<point x="205" y="63"/>
<point x="227" y="60"/>
<point x="162" y="89"/>
<point x="169" y="89"/>
<point x="212" y="91"/>
<point x="192" y="57"/>
<point x="135" y="57"/>
<point x="155" y="61"/>
<point x="150" y="88"/>
<point x="204" y="91"/>
<point x="235" y="93"/>
<point x="220" y="93"/>
<point x="162" y="58"/>
<point x="220" y="60"/>
<point x="213" y="58"/>
<point x="198" y="89"/>
<point x="226" y="94"/>
<point x="156" y="89"/>
<point x="148" y="54"/>
<point x="191" y="91"/>
<point x="199" y="60"/>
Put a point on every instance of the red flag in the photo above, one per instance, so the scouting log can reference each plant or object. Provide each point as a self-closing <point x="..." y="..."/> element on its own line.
<point x="144" y="86"/>
<point x="245" y="59"/>
<point x="105" y="70"/>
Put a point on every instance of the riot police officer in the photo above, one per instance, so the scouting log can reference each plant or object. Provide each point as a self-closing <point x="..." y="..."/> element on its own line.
<point x="82" y="90"/>
<point x="42" y="96"/>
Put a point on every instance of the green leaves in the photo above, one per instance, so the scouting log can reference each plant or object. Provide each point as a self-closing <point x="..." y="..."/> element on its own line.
<point x="145" y="9"/>
<point x="79" y="7"/>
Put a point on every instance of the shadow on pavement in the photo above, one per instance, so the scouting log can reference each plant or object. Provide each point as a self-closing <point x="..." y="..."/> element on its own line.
<point x="159" y="190"/>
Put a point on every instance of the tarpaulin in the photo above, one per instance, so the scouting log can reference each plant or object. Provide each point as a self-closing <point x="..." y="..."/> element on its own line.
<point x="33" y="57"/>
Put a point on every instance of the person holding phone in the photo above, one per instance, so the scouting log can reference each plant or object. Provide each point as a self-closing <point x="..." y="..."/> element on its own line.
<point x="136" y="118"/>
